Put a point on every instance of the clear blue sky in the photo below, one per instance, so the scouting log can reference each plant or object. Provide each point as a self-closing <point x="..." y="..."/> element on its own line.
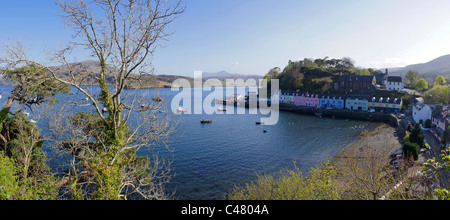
<point x="252" y="36"/>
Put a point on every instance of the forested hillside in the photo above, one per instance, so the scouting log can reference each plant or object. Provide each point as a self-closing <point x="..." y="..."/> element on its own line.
<point x="315" y="75"/>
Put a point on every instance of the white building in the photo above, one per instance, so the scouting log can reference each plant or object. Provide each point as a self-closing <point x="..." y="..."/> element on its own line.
<point x="394" y="83"/>
<point x="276" y="98"/>
<point x="235" y="98"/>
<point x="421" y="112"/>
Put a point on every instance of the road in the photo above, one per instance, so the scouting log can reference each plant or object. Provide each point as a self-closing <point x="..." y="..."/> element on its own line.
<point x="435" y="152"/>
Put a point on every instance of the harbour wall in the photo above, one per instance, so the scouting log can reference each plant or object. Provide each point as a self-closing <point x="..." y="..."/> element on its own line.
<point x="344" y="114"/>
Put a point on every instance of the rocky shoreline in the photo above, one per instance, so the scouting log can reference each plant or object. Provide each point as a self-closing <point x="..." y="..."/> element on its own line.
<point x="384" y="138"/>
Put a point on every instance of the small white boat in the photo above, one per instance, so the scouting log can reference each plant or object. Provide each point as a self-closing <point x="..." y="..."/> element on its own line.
<point x="180" y="109"/>
<point x="222" y="109"/>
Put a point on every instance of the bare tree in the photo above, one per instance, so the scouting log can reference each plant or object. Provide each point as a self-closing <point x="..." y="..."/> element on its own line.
<point x="122" y="35"/>
<point x="364" y="169"/>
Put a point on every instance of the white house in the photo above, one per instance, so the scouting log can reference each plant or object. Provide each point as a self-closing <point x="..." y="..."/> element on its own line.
<point x="276" y="98"/>
<point x="421" y="112"/>
<point x="394" y="83"/>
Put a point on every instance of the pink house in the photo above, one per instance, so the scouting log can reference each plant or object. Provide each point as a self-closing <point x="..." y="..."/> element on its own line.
<point x="306" y="99"/>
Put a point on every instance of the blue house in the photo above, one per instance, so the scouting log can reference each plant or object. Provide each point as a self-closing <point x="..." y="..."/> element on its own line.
<point x="332" y="101"/>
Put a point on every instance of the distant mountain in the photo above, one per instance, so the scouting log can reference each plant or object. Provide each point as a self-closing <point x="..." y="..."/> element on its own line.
<point x="430" y="70"/>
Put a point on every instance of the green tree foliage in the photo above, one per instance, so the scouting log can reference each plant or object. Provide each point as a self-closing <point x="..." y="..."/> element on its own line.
<point x="34" y="85"/>
<point x="21" y="140"/>
<point x="440" y="80"/>
<point x="421" y="84"/>
<point x="320" y="184"/>
<point x="411" y="78"/>
<point x="411" y="150"/>
<point x="9" y="185"/>
<point x="417" y="136"/>
<point x="315" y="76"/>
<point x="427" y="123"/>
<point x="273" y="74"/>
<point x="362" y="72"/>
<point x="442" y="163"/>
<point x="25" y="146"/>
<point x="438" y="94"/>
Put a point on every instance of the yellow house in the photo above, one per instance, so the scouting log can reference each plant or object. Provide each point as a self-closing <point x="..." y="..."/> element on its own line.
<point x="382" y="104"/>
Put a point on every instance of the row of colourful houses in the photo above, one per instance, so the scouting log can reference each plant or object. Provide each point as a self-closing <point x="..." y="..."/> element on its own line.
<point x="349" y="102"/>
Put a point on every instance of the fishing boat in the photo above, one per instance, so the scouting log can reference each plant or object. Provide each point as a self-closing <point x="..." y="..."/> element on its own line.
<point x="259" y="123"/>
<point x="203" y="121"/>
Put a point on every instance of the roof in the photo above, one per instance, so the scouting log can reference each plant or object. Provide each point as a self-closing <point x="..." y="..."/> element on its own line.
<point x="288" y="93"/>
<point x="352" y="78"/>
<point x="420" y="105"/>
<point x="386" y="100"/>
<point x="394" y="79"/>
<point x="359" y="97"/>
<point x="327" y="96"/>
<point x="441" y="111"/>
<point x="380" y="76"/>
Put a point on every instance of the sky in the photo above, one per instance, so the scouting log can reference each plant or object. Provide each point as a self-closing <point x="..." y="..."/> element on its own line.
<point x="253" y="36"/>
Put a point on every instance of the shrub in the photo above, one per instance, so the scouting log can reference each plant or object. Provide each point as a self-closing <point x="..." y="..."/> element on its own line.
<point x="417" y="136"/>
<point x="406" y="139"/>
<point x="411" y="150"/>
<point x="320" y="184"/>
<point x="428" y="123"/>
<point x="8" y="177"/>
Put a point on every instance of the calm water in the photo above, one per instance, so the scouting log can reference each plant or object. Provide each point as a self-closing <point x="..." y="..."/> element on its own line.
<point x="209" y="159"/>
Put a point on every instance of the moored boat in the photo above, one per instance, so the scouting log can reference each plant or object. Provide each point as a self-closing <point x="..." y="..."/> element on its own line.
<point x="203" y="121"/>
<point x="157" y="99"/>
<point x="180" y="109"/>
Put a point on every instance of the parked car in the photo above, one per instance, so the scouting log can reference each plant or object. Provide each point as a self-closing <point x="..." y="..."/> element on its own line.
<point x="401" y="116"/>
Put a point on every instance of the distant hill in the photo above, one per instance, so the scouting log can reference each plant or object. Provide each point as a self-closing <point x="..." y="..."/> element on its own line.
<point x="83" y="73"/>
<point x="85" y="68"/>
<point x="224" y="75"/>
<point x="429" y="70"/>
